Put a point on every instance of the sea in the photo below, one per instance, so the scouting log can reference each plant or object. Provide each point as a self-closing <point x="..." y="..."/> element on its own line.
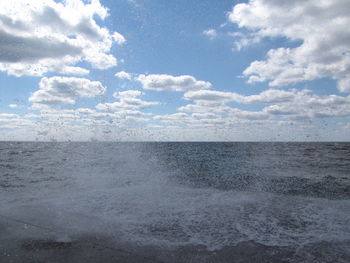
<point x="175" y="201"/>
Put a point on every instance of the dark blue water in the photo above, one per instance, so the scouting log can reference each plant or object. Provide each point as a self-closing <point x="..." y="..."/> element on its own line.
<point x="171" y="195"/>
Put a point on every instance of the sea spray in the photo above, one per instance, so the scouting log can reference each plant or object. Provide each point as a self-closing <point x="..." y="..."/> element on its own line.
<point x="178" y="194"/>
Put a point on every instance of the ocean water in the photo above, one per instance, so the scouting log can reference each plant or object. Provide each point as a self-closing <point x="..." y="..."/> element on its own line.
<point x="292" y="199"/>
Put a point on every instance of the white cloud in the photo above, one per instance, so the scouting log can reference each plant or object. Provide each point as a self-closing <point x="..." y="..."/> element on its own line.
<point x="235" y="113"/>
<point x="13" y="106"/>
<point x="270" y="96"/>
<point x="180" y="116"/>
<point x="211" y="33"/>
<point x="209" y="95"/>
<point x="136" y="119"/>
<point x="85" y="123"/>
<point x="290" y="105"/>
<point x="127" y="101"/>
<point x="65" y="90"/>
<point x="267" y="96"/>
<point x="13" y="121"/>
<point x="321" y="26"/>
<point x="344" y="84"/>
<point x="119" y="38"/>
<point x="47" y="36"/>
<point x="244" y="40"/>
<point x="123" y="75"/>
<point x="8" y="115"/>
<point x="83" y="117"/>
<point x="204" y="115"/>
<point x="197" y="107"/>
<point x="308" y="106"/>
<point x="127" y="94"/>
<point x="69" y="70"/>
<point x="163" y="82"/>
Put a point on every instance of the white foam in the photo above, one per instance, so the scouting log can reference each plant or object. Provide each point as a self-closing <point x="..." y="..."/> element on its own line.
<point x="115" y="192"/>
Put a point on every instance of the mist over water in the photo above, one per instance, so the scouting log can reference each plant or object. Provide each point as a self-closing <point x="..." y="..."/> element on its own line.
<point x="180" y="194"/>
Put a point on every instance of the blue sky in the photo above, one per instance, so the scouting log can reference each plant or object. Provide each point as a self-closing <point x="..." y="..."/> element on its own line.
<point x="175" y="70"/>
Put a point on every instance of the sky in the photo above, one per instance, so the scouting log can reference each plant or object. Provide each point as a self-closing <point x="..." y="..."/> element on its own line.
<point x="157" y="70"/>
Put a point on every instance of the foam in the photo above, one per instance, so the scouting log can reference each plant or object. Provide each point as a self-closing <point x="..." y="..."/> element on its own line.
<point x="116" y="191"/>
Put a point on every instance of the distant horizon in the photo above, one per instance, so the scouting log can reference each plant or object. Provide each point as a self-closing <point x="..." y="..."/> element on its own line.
<point x="92" y="141"/>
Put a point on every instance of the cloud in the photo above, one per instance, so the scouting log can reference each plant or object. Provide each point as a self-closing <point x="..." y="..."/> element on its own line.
<point x="127" y="101"/>
<point x="267" y="96"/>
<point x="209" y="95"/>
<point x="320" y="26"/>
<point x="163" y="82"/>
<point x="119" y="38"/>
<point x="222" y="113"/>
<point x="175" y="117"/>
<point x="65" y="90"/>
<point x="47" y="36"/>
<point x="69" y="70"/>
<point x="210" y="33"/>
<point x="123" y="75"/>
<point x="344" y="84"/>
<point x="234" y="113"/>
<point x="13" y="106"/>
<point x="184" y="119"/>
<point x="8" y="116"/>
<point x="30" y="49"/>
<point x="308" y="106"/>
<point x="200" y="120"/>
<point x="270" y="96"/>
<point x="13" y="121"/>
<point x="127" y="94"/>
<point x="204" y="115"/>
<point x="286" y="104"/>
<point x="86" y="116"/>
<point x="244" y="40"/>
<point x="136" y="119"/>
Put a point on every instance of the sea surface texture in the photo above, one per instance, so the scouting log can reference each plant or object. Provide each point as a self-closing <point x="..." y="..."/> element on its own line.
<point x="174" y="202"/>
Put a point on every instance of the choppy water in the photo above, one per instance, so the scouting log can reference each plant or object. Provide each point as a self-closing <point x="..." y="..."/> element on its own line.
<point x="217" y="195"/>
